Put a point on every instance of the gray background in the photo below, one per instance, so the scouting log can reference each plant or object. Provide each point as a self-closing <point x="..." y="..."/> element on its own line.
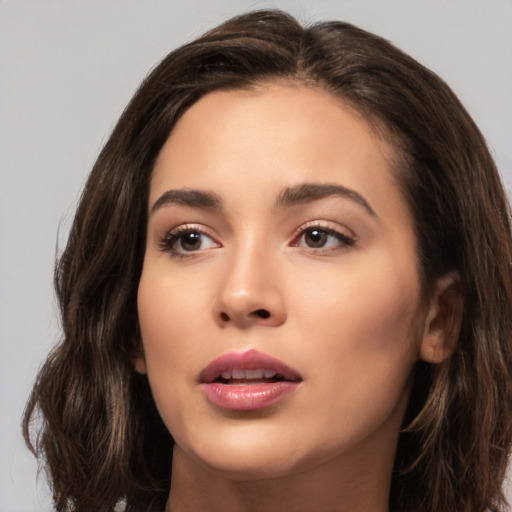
<point x="67" y="69"/>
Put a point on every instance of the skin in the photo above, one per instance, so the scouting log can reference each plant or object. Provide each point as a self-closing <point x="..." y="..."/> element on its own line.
<point x="348" y="316"/>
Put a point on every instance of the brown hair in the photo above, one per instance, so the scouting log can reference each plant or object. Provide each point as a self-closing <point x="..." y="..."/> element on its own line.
<point x="101" y="437"/>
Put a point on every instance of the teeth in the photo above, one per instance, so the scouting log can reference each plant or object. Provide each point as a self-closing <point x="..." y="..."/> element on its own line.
<point x="238" y="374"/>
<point x="260" y="373"/>
<point x="254" y="374"/>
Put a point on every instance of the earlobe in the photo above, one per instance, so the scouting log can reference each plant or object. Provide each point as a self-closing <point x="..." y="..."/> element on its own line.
<point x="139" y="360"/>
<point x="139" y="363"/>
<point x="443" y="320"/>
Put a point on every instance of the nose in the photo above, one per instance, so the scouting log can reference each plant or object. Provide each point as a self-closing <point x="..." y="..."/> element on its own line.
<point x="249" y="292"/>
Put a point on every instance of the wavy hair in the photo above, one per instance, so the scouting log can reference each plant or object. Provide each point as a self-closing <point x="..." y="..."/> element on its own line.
<point x="98" y="432"/>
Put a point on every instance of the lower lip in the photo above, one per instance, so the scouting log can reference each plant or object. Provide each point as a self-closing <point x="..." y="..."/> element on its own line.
<point x="249" y="397"/>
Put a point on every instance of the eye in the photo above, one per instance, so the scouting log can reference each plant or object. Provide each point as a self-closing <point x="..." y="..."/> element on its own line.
<point x="186" y="240"/>
<point x="321" y="237"/>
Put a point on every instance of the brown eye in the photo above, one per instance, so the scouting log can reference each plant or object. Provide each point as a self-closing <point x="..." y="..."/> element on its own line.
<point x="315" y="238"/>
<point x="322" y="238"/>
<point x="190" y="241"/>
<point x="183" y="241"/>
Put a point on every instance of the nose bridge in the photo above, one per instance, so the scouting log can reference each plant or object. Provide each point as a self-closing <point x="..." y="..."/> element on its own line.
<point x="249" y="290"/>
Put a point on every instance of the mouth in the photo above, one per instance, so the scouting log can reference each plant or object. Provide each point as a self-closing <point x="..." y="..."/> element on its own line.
<point x="248" y="381"/>
<point x="240" y="377"/>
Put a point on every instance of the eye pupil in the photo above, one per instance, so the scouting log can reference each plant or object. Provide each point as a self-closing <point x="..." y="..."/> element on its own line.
<point x="190" y="241"/>
<point x="316" y="238"/>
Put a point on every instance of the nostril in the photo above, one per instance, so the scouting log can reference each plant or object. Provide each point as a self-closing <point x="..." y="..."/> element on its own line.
<point x="257" y="313"/>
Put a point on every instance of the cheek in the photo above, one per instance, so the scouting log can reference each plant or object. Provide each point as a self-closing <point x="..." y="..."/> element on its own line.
<point x="367" y="318"/>
<point x="364" y="332"/>
<point x="168" y="308"/>
<point x="168" y="315"/>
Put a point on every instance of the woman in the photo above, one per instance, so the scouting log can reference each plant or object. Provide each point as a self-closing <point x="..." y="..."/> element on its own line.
<point x="289" y="281"/>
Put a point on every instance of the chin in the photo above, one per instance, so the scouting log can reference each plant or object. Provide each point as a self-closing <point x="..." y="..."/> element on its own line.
<point x="249" y="453"/>
<point x="261" y="465"/>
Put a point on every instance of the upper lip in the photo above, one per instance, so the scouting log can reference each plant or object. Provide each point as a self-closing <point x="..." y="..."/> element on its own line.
<point x="249" y="360"/>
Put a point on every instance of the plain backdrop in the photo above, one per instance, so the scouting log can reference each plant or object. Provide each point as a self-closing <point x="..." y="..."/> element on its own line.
<point x="67" y="69"/>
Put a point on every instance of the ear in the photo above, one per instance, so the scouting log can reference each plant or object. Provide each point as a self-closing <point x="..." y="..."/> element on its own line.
<point x="443" y="320"/>
<point x="139" y="360"/>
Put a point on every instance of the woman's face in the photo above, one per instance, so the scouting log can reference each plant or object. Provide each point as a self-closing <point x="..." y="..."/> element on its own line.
<point x="279" y="301"/>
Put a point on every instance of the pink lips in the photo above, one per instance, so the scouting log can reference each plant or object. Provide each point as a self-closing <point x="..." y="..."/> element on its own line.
<point x="246" y="381"/>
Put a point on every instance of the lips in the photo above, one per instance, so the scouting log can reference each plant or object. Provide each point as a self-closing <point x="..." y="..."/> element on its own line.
<point x="244" y="381"/>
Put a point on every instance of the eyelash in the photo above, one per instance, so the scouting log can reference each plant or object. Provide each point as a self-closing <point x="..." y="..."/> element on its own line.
<point x="174" y="236"/>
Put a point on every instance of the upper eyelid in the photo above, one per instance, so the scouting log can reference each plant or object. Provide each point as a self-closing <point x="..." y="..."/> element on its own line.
<point x="183" y="228"/>
<point x="187" y="227"/>
<point x="326" y="225"/>
<point x="168" y="218"/>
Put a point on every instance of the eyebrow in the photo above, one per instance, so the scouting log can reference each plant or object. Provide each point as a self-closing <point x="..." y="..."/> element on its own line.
<point x="289" y="196"/>
<point x="308" y="192"/>
<point x="188" y="197"/>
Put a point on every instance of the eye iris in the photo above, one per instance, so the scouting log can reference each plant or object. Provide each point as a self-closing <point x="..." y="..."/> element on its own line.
<point x="316" y="238"/>
<point x="190" y="241"/>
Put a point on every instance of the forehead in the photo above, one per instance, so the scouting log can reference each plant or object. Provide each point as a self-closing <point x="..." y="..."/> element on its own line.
<point x="284" y="131"/>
